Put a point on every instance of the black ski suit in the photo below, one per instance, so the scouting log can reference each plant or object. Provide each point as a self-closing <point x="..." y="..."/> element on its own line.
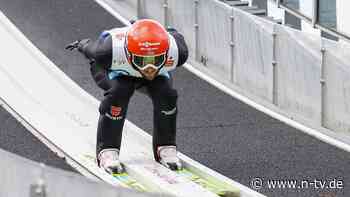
<point x="113" y="108"/>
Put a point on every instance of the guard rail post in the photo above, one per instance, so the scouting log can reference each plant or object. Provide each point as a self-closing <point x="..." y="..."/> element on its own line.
<point x="196" y="29"/>
<point x="314" y="13"/>
<point x="166" y="13"/>
<point x="274" y="69"/>
<point x="232" y="45"/>
<point x="323" y="85"/>
<point x="139" y="9"/>
<point x="38" y="189"/>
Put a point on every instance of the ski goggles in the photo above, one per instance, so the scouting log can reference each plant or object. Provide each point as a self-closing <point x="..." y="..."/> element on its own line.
<point x="142" y="62"/>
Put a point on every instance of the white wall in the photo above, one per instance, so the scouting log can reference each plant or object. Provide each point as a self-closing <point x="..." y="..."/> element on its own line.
<point x="343" y="14"/>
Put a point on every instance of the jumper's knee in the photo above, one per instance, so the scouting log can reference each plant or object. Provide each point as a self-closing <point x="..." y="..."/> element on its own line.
<point x="116" y="99"/>
<point x="166" y="99"/>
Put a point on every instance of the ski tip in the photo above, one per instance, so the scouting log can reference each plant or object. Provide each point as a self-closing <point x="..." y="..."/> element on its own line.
<point x="120" y="174"/>
<point x="229" y="193"/>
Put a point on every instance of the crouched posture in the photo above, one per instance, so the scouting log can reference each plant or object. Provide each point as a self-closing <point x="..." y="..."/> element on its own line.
<point x="126" y="59"/>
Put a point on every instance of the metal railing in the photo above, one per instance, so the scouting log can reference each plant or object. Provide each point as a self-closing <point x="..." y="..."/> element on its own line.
<point x="314" y="20"/>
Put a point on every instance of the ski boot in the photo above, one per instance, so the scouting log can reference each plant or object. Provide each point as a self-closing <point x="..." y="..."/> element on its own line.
<point x="168" y="157"/>
<point x="109" y="161"/>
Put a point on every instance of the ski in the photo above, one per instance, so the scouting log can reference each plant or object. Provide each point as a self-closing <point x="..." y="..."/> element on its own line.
<point x="132" y="183"/>
<point x="220" y="190"/>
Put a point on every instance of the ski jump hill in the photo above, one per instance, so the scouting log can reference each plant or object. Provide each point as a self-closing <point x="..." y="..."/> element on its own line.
<point x="65" y="120"/>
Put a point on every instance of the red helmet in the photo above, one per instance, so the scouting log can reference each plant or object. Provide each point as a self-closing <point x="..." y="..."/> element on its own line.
<point x="147" y="44"/>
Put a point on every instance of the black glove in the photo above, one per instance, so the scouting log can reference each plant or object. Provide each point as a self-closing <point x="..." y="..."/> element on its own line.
<point x="171" y="29"/>
<point x="79" y="44"/>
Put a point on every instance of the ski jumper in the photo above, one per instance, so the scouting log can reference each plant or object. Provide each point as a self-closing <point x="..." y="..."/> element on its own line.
<point x="113" y="72"/>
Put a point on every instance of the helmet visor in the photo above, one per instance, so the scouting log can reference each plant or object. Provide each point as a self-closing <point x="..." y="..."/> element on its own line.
<point x="143" y="61"/>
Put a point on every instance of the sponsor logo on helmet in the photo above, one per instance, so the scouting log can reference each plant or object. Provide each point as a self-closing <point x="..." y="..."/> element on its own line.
<point x="148" y="49"/>
<point x="149" y="44"/>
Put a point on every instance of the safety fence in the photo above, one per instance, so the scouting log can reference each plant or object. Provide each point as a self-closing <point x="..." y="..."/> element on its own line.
<point x="24" y="178"/>
<point x="303" y="75"/>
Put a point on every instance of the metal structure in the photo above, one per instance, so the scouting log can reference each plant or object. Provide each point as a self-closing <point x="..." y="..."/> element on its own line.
<point x="314" y="20"/>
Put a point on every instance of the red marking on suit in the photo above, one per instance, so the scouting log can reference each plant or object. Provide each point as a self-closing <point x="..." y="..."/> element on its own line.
<point x="169" y="63"/>
<point x="115" y="111"/>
